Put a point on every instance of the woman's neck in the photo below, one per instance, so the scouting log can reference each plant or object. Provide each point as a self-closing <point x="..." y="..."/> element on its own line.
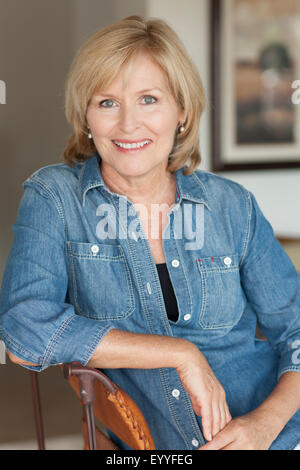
<point x="155" y="188"/>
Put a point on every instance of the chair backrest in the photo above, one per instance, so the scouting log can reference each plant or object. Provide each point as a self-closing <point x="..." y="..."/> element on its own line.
<point x="114" y="408"/>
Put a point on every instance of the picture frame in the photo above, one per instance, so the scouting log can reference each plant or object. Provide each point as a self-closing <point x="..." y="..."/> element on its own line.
<point x="255" y="81"/>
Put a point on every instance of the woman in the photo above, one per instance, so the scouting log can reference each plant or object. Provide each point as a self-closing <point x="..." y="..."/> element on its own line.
<point x="167" y="305"/>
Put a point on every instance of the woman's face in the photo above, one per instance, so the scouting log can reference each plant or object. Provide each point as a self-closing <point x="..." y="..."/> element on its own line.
<point x="134" y="126"/>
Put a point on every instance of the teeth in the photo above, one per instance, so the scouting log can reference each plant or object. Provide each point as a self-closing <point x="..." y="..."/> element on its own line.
<point x="131" y="146"/>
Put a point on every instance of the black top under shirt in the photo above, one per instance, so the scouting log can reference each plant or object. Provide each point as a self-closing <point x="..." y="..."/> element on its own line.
<point x="168" y="292"/>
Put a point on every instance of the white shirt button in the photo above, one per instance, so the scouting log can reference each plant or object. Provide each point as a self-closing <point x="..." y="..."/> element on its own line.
<point x="95" y="249"/>
<point x="195" y="443"/>
<point x="176" y="393"/>
<point x="227" y="261"/>
<point x="187" y="317"/>
<point x="175" y="263"/>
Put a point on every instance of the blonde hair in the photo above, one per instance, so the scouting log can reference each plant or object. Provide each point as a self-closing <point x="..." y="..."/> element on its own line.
<point x="101" y="58"/>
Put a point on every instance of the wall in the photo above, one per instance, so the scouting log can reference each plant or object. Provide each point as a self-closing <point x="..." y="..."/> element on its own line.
<point x="277" y="191"/>
<point x="38" y="40"/>
<point x="190" y="21"/>
<point x="35" y="39"/>
<point x="91" y="15"/>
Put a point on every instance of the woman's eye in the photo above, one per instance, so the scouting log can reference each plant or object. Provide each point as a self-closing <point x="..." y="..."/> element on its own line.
<point x="106" y="103"/>
<point x="149" y="99"/>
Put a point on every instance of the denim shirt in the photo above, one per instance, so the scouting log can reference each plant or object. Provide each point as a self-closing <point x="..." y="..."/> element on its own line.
<point x="80" y="265"/>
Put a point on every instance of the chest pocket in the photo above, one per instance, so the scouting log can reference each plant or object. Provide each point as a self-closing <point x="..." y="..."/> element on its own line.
<point x="223" y="299"/>
<point x="101" y="283"/>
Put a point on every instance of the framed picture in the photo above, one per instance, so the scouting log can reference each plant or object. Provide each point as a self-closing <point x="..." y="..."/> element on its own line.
<point x="255" y="104"/>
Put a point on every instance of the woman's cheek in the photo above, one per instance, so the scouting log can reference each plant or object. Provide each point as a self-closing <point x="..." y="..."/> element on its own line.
<point x="160" y="120"/>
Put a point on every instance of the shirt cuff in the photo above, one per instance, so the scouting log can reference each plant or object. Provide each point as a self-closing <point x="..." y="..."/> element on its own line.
<point x="75" y="341"/>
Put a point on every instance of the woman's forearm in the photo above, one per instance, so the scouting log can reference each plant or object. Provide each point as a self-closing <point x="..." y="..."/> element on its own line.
<point x="283" y="402"/>
<point x="123" y="349"/>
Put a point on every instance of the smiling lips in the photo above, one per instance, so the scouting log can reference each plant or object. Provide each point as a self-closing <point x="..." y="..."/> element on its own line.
<point x="131" y="146"/>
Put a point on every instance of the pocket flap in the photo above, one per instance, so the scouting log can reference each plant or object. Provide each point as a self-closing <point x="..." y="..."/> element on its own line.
<point x="225" y="262"/>
<point x="95" y="250"/>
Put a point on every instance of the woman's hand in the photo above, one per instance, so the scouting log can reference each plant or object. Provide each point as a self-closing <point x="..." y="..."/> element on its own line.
<point x="206" y="393"/>
<point x="253" y="431"/>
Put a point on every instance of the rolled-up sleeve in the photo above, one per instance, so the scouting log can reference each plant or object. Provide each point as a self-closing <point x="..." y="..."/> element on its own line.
<point x="37" y="324"/>
<point x="272" y="286"/>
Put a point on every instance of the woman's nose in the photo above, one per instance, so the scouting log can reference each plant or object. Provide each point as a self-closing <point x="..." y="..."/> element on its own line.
<point x="128" y="119"/>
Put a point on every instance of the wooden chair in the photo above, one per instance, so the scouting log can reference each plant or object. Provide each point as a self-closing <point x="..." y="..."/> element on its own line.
<point x="102" y="398"/>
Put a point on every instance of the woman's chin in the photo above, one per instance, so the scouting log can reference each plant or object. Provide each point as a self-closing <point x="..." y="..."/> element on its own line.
<point x="134" y="170"/>
<point x="133" y="167"/>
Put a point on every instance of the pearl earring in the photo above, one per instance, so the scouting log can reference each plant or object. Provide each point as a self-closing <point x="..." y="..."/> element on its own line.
<point x="90" y="135"/>
<point x="181" y="129"/>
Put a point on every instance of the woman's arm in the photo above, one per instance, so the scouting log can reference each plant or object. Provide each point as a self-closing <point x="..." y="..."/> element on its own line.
<point x="38" y="327"/>
<point x="282" y="403"/>
<point x="272" y="287"/>
<point x="122" y="349"/>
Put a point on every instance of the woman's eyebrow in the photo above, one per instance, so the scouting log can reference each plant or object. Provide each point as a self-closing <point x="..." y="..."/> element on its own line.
<point x="151" y="89"/>
<point x="138" y="92"/>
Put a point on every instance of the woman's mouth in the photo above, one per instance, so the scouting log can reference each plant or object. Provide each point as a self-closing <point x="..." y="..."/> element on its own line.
<point x="126" y="146"/>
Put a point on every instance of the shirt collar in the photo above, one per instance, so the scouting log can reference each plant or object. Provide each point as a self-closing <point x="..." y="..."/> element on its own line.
<point x="90" y="176"/>
<point x="189" y="187"/>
